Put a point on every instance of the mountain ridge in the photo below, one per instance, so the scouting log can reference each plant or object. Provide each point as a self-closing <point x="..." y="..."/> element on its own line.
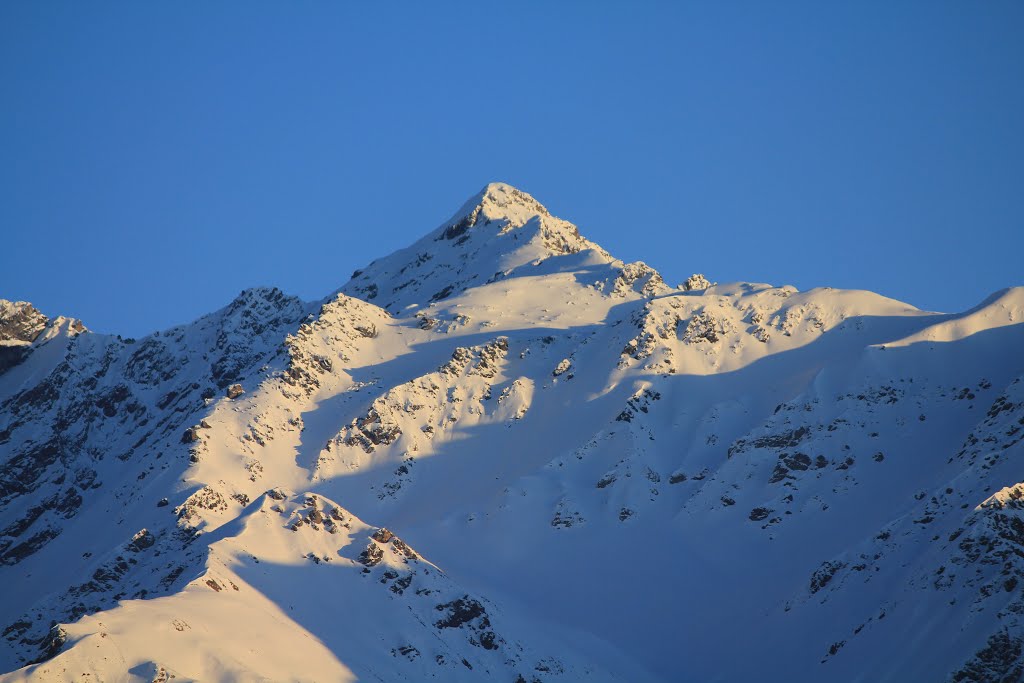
<point x="598" y="477"/>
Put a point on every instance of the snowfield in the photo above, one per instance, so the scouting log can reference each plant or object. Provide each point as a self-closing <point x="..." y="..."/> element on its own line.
<point x="503" y="454"/>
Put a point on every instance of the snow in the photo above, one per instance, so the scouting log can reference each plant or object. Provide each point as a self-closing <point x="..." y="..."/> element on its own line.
<point x="591" y="475"/>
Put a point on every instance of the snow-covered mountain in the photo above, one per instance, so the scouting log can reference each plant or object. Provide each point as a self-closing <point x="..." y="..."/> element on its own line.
<point x="502" y="454"/>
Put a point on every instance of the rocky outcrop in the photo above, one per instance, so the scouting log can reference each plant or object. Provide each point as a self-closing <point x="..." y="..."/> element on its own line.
<point x="696" y="282"/>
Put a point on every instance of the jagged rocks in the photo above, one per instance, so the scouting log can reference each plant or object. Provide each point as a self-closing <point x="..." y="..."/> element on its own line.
<point x="382" y="535"/>
<point x="459" y="228"/>
<point x="31" y="545"/>
<point x="639" y="402"/>
<point x="152" y="363"/>
<point x="20" y="321"/>
<point x="641" y="278"/>
<point x="703" y="327"/>
<point x="797" y="462"/>
<point x="371" y="555"/>
<point x="20" y="325"/>
<point x="696" y="282"/>
<point x="491" y="355"/>
<point x="562" y="367"/>
<point x="366" y="330"/>
<point x="141" y="540"/>
<point x="373" y="430"/>
<point x="426" y="322"/>
<point x="399" y="545"/>
<point x="471" y="614"/>
<point x="234" y="391"/>
<point x="787" y="439"/>
<point x="52" y="644"/>
<point x="205" y="499"/>
<point x="1000" y="661"/>
<point x="824" y="574"/>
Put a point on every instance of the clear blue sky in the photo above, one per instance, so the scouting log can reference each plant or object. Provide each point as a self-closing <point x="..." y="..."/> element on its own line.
<point x="157" y="158"/>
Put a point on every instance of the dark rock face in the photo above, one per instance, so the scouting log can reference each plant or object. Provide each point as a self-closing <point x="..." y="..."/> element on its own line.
<point x="824" y="575"/>
<point x="1000" y="661"/>
<point x="443" y="294"/>
<point x="52" y="644"/>
<point x="460" y="227"/>
<point x="141" y="540"/>
<point x="469" y="613"/>
<point x="21" y="474"/>
<point x="151" y="364"/>
<point x="29" y="546"/>
<point x="234" y="391"/>
<point x="797" y="462"/>
<point x="789" y="439"/>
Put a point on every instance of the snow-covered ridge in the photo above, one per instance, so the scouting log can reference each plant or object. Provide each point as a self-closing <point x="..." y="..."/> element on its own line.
<point x="568" y="470"/>
<point x="499" y="233"/>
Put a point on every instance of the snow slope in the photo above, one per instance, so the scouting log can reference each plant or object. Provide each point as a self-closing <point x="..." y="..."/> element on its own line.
<point x="592" y="476"/>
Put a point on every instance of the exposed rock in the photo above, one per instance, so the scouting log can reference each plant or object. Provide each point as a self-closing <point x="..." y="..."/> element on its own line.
<point x="372" y="555"/>
<point x="52" y="645"/>
<point x="20" y="321"/>
<point x="141" y="540"/>
<point x="234" y="391"/>
<point x="696" y="282"/>
<point x="382" y="535"/>
<point x="823" y="575"/>
<point x="1000" y="661"/>
<point x="703" y="327"/>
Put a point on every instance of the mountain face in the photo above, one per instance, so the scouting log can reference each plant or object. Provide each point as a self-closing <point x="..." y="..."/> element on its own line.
<point x="502" y="454"/>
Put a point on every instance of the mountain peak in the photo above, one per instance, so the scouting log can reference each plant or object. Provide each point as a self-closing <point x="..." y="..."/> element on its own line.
<point x="496" y="202"/>
<point x="498" y="231"/>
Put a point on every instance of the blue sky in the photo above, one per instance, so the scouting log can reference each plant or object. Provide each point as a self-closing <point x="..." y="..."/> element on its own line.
<point x="157" y="158"/>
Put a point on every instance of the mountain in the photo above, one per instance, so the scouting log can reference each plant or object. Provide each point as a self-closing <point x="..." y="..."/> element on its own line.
<point x="503" y="454"/>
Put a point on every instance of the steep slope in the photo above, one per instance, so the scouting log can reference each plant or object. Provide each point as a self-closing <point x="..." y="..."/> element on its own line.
<point x="603" y="478"/>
